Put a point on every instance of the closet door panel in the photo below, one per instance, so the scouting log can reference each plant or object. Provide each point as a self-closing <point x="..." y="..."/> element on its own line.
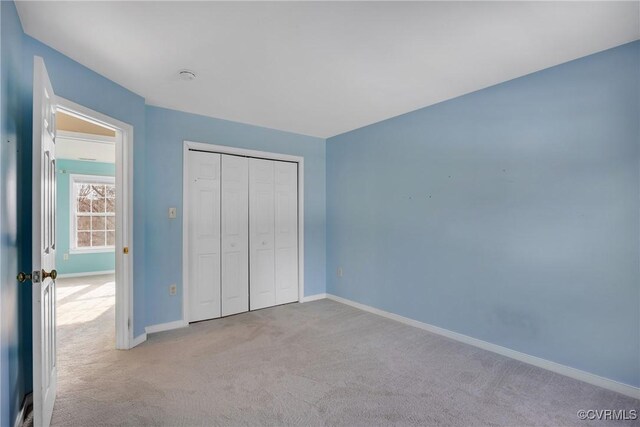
<point x="261" y="229"/>
<point x="286" y="232"/>
<point x="235" y="235"/>
<point x="204" y="236"/>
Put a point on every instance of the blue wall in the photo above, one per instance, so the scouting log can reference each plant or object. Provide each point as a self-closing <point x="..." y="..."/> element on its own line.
<point x="78" y="262"/>
<point x="12" y="353"/>
<point x="510" y="214"/>
<point x="166" y="130"/>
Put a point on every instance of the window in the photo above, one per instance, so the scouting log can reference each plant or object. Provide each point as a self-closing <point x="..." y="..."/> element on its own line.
<point x="93" y="213"/>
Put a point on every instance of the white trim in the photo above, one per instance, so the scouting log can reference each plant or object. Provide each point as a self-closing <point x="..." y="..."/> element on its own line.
<point x="124" y="216"/>
<point x="300" y="228"/>
<point x="567" y="371"/>
<point x="90" y="250"/>
<point x="85" y="137"/>
<point x="100" y="179"/>
<point x="139" y="339"/>
<point x="88" y="273"/>
<point x="185" y="234"/>
<point x="315" y="297"/>
<point x="166" y="326"/>
<point x="223" y="149"/>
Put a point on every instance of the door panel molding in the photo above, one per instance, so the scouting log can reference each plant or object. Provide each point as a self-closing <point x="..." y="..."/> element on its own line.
<point x="235" y="235"/>
<point x="262" y="254"/>
<point x="204" y="252"/>
<point x="45" y="366"/>
<point x="285" y="229"/>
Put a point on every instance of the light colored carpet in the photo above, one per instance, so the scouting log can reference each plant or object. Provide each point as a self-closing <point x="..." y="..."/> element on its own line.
<point x="319" y="363"/>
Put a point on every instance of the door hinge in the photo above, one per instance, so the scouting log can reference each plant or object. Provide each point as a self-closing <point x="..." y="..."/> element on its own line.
<point x="128" y="323"/>
<point x="125" y="250"/>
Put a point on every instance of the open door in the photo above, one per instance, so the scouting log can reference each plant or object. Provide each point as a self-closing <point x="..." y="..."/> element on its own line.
<point x="44" y="247"/>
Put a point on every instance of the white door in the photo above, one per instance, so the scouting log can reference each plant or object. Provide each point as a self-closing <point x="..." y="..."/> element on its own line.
<point x="204" y="236"/>
<point x="235" y="234"/>
<point x="286" y="231"/>
<point x="262" y="229"/>
<point x="44" y="247"/>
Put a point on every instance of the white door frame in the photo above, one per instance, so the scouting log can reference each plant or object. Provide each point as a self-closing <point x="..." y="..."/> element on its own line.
<point x="124" y="217"/>
<point x="223" y="149"/>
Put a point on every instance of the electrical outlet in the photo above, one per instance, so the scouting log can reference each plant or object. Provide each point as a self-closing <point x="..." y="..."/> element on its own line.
<point x="65" y="257"/>
<point x="173" y="289"/>
<point x="173" y="213"/>
<point x="339" y="272"/>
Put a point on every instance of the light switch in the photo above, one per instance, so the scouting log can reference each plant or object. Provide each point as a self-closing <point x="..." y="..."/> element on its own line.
<point x="173" y="213"/>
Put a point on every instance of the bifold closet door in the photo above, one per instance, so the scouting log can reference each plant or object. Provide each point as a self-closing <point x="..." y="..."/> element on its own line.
<point x="273" y="228"/>
<point x="235" y="234"/>
<point x="286" y="232"/>
<point x="262" y="234"/>
<point x="204" y="235"/>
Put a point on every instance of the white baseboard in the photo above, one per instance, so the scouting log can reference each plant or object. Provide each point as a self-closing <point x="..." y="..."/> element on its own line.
<point x="313" y="297"/>
<point x="89" y="273"/>
<point x="568" y="371"/>
<point x="139" y="339"/>
<point x="28" y="400"/>
<point x="166" y="326"/>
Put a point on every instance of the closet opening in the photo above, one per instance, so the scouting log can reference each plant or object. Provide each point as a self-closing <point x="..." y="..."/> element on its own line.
<point x="243" y="230"/>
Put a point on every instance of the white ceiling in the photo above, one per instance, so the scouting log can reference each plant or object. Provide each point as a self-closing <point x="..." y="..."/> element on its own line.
<point x="317" y="68"/>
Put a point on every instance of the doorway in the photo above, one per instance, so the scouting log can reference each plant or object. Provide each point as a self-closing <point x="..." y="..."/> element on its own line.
<point x="94" y="227"/>
<point x="85" y="244"/>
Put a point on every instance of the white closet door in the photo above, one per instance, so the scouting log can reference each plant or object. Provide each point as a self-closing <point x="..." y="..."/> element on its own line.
<point x="204" y="236"/>
<point x="286" y="232"/>
<point x="262" y="228"/>
<point x="235" y="235"/>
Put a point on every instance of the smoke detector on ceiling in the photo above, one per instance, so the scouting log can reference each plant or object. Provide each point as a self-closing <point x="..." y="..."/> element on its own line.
<point x="187" y="75"/>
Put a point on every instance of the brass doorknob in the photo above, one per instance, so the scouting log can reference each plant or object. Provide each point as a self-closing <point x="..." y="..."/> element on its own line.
<point x="23" y="277"/>
<point x="53" y="274"/>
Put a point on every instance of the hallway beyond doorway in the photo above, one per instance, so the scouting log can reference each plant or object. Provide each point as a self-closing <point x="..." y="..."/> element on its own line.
<point x="86" y="324"/>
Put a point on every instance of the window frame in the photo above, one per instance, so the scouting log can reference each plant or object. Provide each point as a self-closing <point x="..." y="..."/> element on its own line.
<point x="73" y="212"/>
